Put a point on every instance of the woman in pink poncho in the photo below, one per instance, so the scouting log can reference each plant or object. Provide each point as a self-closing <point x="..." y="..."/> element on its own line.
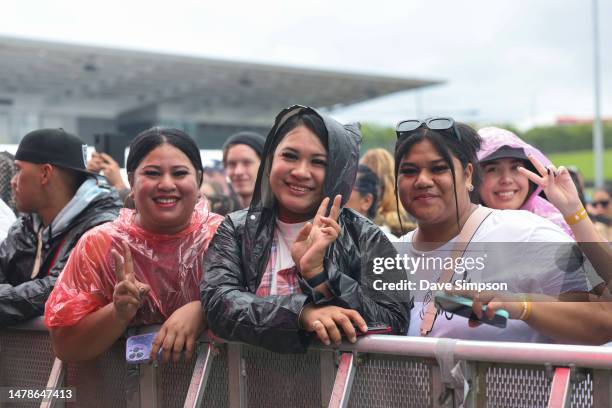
<point x="144" y="267"/>
<point x="503" y="187"/>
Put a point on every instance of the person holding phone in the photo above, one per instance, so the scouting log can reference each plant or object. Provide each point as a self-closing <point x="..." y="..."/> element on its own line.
<point x="143" y="268"/>
<point x="436" y="171"/>
<point x="102" y="162"/>
<point x="296" y="265"/>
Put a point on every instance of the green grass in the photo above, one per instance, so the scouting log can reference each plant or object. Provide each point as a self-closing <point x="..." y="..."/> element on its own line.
<point x="584" y="161"/>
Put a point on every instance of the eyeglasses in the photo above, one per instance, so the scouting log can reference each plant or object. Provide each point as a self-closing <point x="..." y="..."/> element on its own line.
<point x="603" y="203"/>
<point x="405" y="127"/>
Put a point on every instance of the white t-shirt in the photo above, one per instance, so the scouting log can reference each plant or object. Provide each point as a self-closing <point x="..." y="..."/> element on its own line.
<point x="7" y="218"/>
<point x="387" y="231"/>
<point x="534" y="268"/>
<point x="280" y="275"/>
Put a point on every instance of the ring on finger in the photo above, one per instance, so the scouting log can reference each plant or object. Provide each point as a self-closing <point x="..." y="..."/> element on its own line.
<point x="316" y="323"/>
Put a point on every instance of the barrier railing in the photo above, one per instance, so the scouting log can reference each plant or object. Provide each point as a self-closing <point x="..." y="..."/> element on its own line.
<point x="377" y="371"/>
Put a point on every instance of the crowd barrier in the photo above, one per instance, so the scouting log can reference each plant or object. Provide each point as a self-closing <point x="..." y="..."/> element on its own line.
<point x="377" y="371"/>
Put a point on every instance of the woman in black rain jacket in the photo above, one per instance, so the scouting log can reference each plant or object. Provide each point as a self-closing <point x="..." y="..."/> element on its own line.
<point x="285" y="270"/>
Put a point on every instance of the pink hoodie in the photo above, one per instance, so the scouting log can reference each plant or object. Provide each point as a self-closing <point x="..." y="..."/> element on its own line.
<point x="492" y="139"/>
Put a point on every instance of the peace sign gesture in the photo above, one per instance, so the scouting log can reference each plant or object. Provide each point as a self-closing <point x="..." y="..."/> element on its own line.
<point x="557" y="184"/>
<point x="309" y="248"/>
<point x="129" y="293"/>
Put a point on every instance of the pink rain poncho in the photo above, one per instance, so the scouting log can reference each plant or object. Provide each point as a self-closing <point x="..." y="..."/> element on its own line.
<point x="170" y="264"/>
<point x="492" y="139"/>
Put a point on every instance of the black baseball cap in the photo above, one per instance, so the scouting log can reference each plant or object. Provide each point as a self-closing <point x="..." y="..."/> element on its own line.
<point x="54" y="146"/>
<point x="506" y="152"/>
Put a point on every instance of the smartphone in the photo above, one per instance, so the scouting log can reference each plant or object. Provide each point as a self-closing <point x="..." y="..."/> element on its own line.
<point x="374" y="328"/>
<point x="138" y="348"/>
<point x="463" y="307"/>
<point x="111" y="144"/>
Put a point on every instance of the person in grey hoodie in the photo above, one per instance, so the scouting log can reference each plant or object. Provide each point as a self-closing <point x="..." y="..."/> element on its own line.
<point x="60" y="200"/>
<point x="284" y="271"/>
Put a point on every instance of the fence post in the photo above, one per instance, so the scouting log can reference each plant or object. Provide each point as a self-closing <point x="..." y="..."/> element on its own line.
<point x="479" y="386"/>
<point x="344" y="381"/>
<point x="199" y="378"/>
<point x="560" y="388"/>
<point x="56" y="380"/>
<point x="237" y="376"/>
<point x="328" y="375"/>
<point x="148" y="385"/>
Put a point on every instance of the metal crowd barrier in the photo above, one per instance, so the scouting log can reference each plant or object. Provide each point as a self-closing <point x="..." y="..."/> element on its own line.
<point x="377" y="371"/>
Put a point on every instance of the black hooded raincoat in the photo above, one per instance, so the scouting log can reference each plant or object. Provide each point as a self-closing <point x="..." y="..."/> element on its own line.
<point x="237" y="258"/>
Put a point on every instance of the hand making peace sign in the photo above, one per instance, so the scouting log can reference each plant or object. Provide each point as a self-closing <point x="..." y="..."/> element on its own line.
<point x="129" y="293"/>
<point x="309" y="248"/>
<point x="557" y="184"/>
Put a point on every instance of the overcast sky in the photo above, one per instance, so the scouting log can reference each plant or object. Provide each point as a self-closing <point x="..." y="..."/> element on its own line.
<point x="503" y="60"/>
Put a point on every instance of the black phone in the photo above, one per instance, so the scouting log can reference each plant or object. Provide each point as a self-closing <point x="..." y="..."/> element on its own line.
<point x="375" y="328"/>
<point x="112" y="144"/>
<point x="463" y="307"/>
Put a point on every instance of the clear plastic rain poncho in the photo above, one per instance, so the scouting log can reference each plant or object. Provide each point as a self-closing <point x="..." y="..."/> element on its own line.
<point x="170" y="264"/>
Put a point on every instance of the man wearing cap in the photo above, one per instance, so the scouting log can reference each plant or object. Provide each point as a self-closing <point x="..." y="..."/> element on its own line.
<point x="241" y="158"/>
<point x="60" y="201"/>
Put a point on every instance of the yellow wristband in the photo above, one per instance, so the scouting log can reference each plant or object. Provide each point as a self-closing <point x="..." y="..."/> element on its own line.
<point x="576" y="217"/>
<point x="526" y="310"/>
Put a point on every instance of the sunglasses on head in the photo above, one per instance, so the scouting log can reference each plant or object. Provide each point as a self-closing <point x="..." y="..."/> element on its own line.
<point x="406" y="127"/>
<point x="603" y="203"/>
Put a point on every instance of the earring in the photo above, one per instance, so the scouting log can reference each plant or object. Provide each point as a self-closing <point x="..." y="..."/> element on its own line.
<point x="470" y="188"/>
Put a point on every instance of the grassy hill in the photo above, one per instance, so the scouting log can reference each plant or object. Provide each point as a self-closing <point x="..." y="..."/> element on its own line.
<point x="584" y="161"/>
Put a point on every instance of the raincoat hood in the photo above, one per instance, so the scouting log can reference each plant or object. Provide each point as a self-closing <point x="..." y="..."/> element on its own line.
<point x="494" y="138"/>
<point x="342" y="148"/>
<point x="237" y="258"/>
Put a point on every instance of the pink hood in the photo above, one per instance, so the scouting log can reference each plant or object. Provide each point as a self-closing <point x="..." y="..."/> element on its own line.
<point x="492" y="139"/>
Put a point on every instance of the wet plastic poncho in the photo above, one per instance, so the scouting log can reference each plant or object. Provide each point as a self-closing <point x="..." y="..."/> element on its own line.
<point x="494" y="138"/>
<point x="170" y="264"/>
<point x="237" y="257"/>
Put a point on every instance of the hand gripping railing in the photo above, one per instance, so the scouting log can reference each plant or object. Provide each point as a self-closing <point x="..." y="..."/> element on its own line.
<point x="376" y="371"/>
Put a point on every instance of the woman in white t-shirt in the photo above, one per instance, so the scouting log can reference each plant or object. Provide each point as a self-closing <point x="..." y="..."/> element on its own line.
<point x="437" y="171"/>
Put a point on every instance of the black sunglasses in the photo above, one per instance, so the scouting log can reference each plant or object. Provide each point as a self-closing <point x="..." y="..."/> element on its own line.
<point x="405" y="127"/>
<point x="603" y="203"/>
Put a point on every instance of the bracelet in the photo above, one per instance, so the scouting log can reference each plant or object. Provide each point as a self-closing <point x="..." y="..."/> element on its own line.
<point x="576" y="217"/>
<point x="526" y="310"/>
<point x="317" y="279"/>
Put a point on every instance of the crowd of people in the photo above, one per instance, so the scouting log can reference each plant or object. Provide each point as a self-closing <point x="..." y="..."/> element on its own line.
<point x="275" y="245"/>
